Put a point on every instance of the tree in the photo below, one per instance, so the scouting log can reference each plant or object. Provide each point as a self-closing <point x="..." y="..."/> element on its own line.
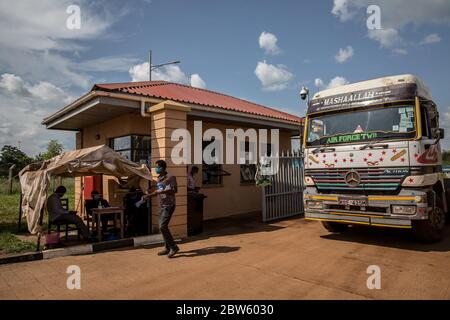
<point x="54" y="148"/>
<point x="446" y="157"/>
<point x="11" y="155"/>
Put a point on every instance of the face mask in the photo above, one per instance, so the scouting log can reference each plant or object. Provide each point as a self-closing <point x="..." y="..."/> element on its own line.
<point x="158" y="170"/>
<point x="96" y="197"/>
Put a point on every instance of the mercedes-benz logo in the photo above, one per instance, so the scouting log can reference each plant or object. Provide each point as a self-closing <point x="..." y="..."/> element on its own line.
<point x="352" y="178"/>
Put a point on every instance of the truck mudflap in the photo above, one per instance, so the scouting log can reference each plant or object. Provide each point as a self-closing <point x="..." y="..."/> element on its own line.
<point x="359" y="219"/>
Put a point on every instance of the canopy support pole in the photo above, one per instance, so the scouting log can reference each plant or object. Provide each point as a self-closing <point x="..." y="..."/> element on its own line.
<point x="41" y="218"/>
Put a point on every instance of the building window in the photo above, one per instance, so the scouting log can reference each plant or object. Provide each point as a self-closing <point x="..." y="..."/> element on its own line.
<point x="212" y="174"/>
<point x="247" y="163"/>
<point x="296" y="144"/>
<point x="136" y="148"/>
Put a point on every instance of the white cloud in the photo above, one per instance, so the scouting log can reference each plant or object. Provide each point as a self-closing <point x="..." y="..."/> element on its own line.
<point x="13" y="84"/>
<point x="344" y="54"/>
<point x="32" y="102"/>
<point x="139" y="72"/>
<point x="430" y="39"/>
<point x="41" y="25"/>
<point x="35" y="41"/>
<point x="197" y="81"/>
<point x="27" y="127"/>
<point x="396" y="15"/>
<point x="318" y="83"/>
<point x="273" y="77"/>
<point x="38" y="64"/>
<point x="388" y="38"/>
<point x="401" y="51"/>
<point x="334" y="83"/>
<point x="39" y="51"/>
<point x="45" y="91"/>
<point x="337" y="82"/>
<point x="171" y="73"/>
<point x="340" y="9"/>
<point x="268" y="42"/>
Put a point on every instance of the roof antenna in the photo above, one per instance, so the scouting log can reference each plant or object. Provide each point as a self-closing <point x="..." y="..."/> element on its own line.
<point x="156" y="66"/>
<point x="149" y="65"/>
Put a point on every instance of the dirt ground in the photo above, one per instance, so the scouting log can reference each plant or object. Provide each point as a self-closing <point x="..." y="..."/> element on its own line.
<point x="243" y="259"/>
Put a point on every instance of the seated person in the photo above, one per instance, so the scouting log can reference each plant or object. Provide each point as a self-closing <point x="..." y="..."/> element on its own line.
<point x="57" y="213"/>
<point x="94" y="203"/>
<point x="191" y="179"/>
<point x="316" y="131"/>
<point x="136" y="212"/>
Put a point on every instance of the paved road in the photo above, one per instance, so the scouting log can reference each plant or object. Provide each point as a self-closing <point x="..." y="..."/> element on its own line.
<point x="292" y="259"/>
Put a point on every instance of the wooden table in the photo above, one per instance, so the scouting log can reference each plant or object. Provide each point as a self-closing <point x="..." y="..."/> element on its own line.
<point x="117" y="211"/>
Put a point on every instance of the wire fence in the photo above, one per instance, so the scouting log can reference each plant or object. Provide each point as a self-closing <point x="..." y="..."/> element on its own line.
<point x="4" y="185"/>
<point x="10" y="203"/>
<point x="54" y="182"/>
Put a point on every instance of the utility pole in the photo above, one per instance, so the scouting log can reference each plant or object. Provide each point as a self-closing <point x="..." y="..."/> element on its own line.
<point x="156" y="66"/>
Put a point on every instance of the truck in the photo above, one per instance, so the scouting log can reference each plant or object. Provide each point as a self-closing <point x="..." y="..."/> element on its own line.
<point x="372" y="156"/>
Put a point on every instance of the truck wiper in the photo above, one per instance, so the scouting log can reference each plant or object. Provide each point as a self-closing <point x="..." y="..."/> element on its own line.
<point x="374" y="144"/>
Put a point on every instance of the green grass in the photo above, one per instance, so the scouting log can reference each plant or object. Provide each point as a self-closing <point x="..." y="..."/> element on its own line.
<point x="9" y="215"/>
<point x="9" y="243"/>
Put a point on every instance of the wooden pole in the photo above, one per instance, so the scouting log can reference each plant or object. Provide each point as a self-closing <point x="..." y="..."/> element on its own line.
<point x="10" y="179"/>
<point x="41" y="217"/>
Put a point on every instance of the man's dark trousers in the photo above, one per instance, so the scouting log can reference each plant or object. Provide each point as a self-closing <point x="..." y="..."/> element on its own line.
<point x="164" y="219"/>
<point x="73" y="218"/>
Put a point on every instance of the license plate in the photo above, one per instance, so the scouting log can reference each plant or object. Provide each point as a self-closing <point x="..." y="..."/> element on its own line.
<point x="353" y="202"/>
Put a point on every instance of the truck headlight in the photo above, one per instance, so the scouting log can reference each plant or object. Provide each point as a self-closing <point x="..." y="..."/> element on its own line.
<point x="421" y="199"/>
<point x="314" y="204"/>
<point x="399" y="209"/>
<point x="309" y="181"/>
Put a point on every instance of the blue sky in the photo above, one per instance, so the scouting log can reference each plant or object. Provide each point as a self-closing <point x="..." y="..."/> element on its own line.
<point x="43" y="65"/>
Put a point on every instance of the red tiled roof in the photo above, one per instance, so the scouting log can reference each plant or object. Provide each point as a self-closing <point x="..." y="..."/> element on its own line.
<point x="187" y="94"/>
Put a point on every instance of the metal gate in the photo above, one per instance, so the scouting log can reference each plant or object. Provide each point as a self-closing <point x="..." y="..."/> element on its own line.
<point x="284" y="197"/>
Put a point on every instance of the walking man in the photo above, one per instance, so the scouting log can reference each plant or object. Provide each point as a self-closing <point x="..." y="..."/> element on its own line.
<point x="166" y="188"/>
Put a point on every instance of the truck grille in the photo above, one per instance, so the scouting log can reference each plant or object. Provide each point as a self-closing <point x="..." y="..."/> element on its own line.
<point x="374" y="180"/>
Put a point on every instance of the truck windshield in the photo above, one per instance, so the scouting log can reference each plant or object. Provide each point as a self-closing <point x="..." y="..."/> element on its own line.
<point x="365" y="125"/>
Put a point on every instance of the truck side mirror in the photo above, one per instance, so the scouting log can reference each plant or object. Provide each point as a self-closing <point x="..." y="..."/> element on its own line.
<point x="438" y="133"/>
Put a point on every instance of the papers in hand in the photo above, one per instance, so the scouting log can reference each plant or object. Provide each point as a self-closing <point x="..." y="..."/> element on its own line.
<point x="139" y="203"/>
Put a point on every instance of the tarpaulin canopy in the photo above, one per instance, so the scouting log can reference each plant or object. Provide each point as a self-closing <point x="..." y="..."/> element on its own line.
<point x="35" y="178"/>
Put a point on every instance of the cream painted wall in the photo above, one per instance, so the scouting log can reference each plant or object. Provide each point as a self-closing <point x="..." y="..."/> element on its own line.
<point x="232" y="197"/>
<point x="228" y="199"/>
<point x="120" y="126"/>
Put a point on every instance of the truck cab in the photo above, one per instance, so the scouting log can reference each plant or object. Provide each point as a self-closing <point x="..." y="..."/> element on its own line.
<point x="373" y="157"/>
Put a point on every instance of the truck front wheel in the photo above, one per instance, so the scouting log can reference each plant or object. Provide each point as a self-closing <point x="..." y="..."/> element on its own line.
<point x="334" y="226"/>
<point x="431" y="230"/>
